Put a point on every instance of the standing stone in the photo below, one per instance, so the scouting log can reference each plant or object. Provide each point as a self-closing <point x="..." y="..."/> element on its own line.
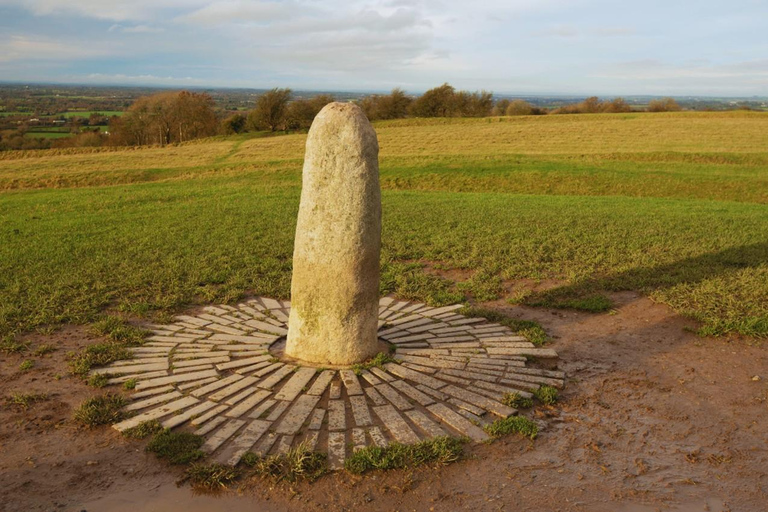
<point x="335" y="286"/>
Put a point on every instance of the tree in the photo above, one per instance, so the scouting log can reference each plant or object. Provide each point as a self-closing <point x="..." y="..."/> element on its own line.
<point x="500" y="108"/>
<point x="436" y="102"/>
<point x="233" y="124"/>
<point x="664" y="105"/>
<point x="271" y="111"/>
<point x="165" y="118"/>
<point x="301" y="113"/>
<point x="388" y="106"/>
<point x="616" y="106"/>
<point x="519" y="108"/>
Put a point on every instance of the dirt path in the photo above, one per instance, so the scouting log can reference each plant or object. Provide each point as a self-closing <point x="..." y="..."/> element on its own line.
<point x="653" y="418"/>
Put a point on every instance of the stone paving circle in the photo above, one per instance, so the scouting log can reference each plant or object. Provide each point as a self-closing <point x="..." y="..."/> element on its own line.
<point x="214" y="374"/>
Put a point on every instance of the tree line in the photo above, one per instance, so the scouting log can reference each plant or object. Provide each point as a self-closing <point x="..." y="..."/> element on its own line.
<point x="179" y="116"/>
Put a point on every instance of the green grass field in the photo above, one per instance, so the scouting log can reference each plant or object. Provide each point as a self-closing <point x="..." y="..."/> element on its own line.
<point x="672" y="205"/>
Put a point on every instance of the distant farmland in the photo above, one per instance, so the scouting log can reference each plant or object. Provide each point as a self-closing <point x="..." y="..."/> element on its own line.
<point x="672" y="205"/>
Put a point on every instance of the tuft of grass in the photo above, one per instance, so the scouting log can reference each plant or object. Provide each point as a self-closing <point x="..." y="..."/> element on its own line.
<point x="144" y="430"/>
<point x="531" y="330"/>
<point x="129" y="384"/>
<point x="546" y="395"/>
<point x="518" y="424"/>
<point x="26" y="365"/>
<point x="118" y="330"/>
<point x="9" y="345"/>
<point x="44" y="349"/>
<point x="298" y="464"/>
<point x="517" y="401"/>
<point x="101" y="410"/>
<point x="176" y="447"/>
<point x="378" y="361"/>
<point x="211" y="477"/>
<point x="98" y="381"/>
<point x="438" y="451"/>
<point x="25" y="400"/>
<point x="96" y="355"/>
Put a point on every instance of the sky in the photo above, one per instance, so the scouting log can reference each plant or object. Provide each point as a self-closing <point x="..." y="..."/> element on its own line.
<point x="578" y="47"/>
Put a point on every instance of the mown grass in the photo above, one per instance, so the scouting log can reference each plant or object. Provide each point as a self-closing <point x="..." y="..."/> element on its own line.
<point x="672" y="206"/>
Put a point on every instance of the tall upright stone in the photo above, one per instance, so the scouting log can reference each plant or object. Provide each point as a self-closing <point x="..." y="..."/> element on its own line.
<point x="335" y="286"/>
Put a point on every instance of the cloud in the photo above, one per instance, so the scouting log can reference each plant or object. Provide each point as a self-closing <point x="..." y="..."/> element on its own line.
<point x="136" y="29"/>
<point x="115" y="10"/>
<point x="23" y="48"/>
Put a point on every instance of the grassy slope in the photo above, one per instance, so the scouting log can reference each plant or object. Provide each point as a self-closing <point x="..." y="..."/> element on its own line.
<point x="672" y="205"/>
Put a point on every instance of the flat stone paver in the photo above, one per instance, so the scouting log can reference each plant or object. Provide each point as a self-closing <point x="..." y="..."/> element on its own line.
<point x="214" y="372"/>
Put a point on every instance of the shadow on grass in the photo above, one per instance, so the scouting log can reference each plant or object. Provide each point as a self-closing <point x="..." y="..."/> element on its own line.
<point x="673" y="283"/>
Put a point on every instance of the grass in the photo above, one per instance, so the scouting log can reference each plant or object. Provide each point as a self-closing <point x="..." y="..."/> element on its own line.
<point x="10" y="345"/>
<point x="129" y="384"/>
<point x="436" y="451"/>
<point x="119" y="331"/>
<point x="176" y="447"/>
<point x="98" y="354"/>
<point x="44" y="349"/>
<point x="24" y="401"/>
<point x="546" y="395"/>
<point x="100" y="410"/>
<point x="378" y="361"/>
<point x="671" y="205"/>
<point x="26" y="365"/>
<point x="144" y="430"/>
<point x="298" y="464"/>
<point x="211" y="477"/>
<point x="528" y="328"/>
<point x="517" y="401"/>
<point x="517" y="424"/>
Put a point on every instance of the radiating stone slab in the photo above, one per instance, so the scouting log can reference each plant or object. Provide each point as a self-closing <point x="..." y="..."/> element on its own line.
<point x="396" y="425"/>
<point x="175" y="379"/>
<point x="148" y="402"/>
<point x="458" y="422"/>
<point x="360" y="411"/>
<point x="249" y="403"/>
<point x="295" y="384"/>
<point x="337" y="448"/>
<point x="221" y="435"/>
<point x="351" y="382"/>
<point x="210" y="426"/>
<point x="178" y="419"/>
<point x="378" y="437"/>
<point x="317" y="419"/>
<point x="431" y="428"/>
<point x="233" y="388"/>
<point x="275" y="378"/>
<point x="414" y="376"/>
<point x="393" y="396"/>
<point x="297" y="415"/>
<point x="480" y="401"/>
<point x="337" y="415"/>
<point x="156" y="413"/>
<point x="214" y="411"/>
<point x="321" y="383"/>
<point x="412" y="393"/>
<point x="262" y="409"/>
<point x="266" y="444"/>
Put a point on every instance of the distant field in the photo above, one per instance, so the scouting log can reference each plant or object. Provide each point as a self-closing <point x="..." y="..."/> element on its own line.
<point x="87" y="113"/>
<point x="672" y="205"/>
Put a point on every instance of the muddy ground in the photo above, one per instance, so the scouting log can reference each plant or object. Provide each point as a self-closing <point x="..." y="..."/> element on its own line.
<point x="653" y="418"/>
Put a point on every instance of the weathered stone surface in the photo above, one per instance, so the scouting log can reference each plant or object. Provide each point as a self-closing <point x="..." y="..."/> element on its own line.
<point x="335" y="284"/>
